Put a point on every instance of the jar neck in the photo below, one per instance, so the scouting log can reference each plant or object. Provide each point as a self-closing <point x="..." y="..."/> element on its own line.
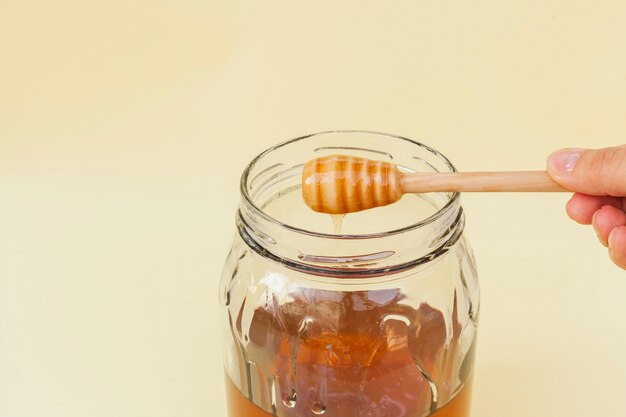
<point x="351" y="256"/>
<point x="274" y="222"/>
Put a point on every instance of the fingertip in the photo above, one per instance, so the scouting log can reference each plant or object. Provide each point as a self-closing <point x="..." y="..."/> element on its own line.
<point x="617" y="246"/>
<point x="581" y="207"/>
<point x="605" y="220"/>
<point x="561" y="163"/>
<point x="577" y="210"/>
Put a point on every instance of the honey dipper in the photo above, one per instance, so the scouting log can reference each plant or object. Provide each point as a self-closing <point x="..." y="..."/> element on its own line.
<point x="338" y="184"/>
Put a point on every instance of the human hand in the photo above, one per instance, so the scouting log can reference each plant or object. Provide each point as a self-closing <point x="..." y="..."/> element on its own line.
<point x="598" y="177"/>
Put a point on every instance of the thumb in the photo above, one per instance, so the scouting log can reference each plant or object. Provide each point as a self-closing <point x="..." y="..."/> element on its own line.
<point x="590" y="171"/>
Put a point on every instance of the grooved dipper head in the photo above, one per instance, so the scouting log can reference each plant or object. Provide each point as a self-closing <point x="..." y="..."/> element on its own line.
<point x="338" y="184"/>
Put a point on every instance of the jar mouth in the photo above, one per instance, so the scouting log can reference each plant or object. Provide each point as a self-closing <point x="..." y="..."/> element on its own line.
<point x="245" y="189"/>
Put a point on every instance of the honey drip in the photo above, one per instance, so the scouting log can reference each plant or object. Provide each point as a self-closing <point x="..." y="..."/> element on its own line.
<point x="337" y="222"/>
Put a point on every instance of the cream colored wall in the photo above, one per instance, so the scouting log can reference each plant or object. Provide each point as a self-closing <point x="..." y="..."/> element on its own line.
<point x="124" y="126"/>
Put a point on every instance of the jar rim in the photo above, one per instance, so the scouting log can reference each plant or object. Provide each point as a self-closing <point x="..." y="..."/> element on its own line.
<point x="244" y="190"/>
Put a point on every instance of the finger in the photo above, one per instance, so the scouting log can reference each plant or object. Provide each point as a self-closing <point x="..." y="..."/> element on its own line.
<point x="605" y="220"/>
<point x="581" y="207"/>
<point x="617" y="246"/>
<point x="590" y="171"/>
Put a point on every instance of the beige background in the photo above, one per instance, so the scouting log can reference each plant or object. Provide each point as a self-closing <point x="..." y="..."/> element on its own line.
<point x="124" y="126"/>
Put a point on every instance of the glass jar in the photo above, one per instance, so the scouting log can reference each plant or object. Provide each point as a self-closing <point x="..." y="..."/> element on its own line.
<point x="377" y="319"/>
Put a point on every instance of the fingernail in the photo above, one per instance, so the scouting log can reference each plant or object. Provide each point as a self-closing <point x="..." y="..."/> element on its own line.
<point x="595" y="229"/>
<point x="611" y="244"/>
<point x="562" y="162"/>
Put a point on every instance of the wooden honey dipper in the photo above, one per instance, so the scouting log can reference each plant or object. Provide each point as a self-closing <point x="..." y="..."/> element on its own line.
<point x="339" y="184"/>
